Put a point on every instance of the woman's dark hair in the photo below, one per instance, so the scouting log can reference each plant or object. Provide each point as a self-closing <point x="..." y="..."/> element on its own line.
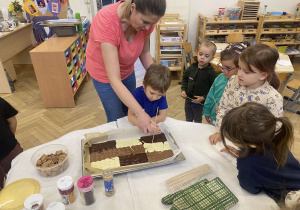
<point x="264" y="58"/>
<point x="146" y="7"/>
<point x="232" y="52"/>
<point x="252" y="124"/>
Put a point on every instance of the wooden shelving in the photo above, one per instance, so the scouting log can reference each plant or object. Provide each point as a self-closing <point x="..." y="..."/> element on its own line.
<point x="59" y="65"/>
<point x="206" y="25"/>
<point x="268" y="23"/>
<point x="171" y="36"/>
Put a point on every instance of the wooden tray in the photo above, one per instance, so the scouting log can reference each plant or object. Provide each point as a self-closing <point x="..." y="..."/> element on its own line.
<point x="125" y="169"/>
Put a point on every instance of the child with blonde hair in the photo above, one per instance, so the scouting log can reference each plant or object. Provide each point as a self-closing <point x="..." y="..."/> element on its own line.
<point x="255" y="81"/>
<point x="264" y="160"/>
<point x="229" y="63"/>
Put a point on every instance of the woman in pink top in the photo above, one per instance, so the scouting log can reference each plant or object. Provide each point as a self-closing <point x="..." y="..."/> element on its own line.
<point x="120" y="34"/>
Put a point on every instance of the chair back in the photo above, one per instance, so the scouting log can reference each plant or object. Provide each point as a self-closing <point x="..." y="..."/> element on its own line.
<point x="235" y="37"/>
<point x="39" y="32"/>
<point x="270" y="44"/>
<point x="188" y="54"/>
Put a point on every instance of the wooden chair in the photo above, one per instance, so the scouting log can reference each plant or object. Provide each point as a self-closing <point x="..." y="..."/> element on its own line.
<point x="187" y="55"/>
<point x="270" y="44"/>
<point x="235" y="37"/>
<point x="293" y="85"/>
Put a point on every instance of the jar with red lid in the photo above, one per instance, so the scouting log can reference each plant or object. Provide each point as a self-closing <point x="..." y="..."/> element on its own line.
<point x="65" y="187"/>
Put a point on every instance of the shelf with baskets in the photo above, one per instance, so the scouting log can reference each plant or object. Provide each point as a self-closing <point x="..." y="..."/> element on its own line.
<point x="59" y="64"/>
<point x="171" y="36"/>
<point x="281" y="30"/>
<point x="216" y="29"/>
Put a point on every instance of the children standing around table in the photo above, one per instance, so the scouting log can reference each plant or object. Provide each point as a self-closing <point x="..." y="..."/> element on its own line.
<point x="152" y="95"/>
<point x="196" y="82"/>
<point x="256" y="81"/>
<point x="229" y="66"/>
<point x="264" y="161"/>
<point x="9" y="146"/>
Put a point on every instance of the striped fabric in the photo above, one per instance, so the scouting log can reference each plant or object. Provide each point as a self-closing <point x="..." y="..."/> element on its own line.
<point x="205" y="194"/>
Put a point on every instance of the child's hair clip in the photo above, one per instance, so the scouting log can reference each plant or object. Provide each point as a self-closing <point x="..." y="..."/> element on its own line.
<point x="238" y="52"/>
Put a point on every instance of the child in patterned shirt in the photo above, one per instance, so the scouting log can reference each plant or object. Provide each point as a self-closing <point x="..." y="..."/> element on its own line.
<point x="256" y="81"/>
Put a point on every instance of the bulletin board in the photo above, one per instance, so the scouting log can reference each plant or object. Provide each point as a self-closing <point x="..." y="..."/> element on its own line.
<point x="46" y="8"/>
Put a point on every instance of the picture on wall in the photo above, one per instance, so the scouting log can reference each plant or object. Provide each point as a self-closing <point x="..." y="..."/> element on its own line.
<point x="31" y="9"/>
<point x="54" y="7"/>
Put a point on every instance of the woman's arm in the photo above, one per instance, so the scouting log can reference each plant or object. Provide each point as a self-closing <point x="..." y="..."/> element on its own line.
<point x="145" y="56"/>
<point x="12" y="122"/>
<point x="111" y="61"/>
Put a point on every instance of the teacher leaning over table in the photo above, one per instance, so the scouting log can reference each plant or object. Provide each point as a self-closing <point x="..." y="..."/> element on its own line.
<point x="120" y="34"/>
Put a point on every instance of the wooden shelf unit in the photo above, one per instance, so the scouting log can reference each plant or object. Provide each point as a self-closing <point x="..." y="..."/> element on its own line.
<point x="203" y="33"/>
<point x="281" y="31"/>
<point x="171" y="24"/>
<point x="59" y="65"/>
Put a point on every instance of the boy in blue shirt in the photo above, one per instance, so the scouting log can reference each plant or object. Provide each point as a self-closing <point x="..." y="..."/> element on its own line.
<point x="152" y="95"/>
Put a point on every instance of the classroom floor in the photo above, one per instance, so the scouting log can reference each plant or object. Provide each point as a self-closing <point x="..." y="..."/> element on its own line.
<point x="38" y="125"/>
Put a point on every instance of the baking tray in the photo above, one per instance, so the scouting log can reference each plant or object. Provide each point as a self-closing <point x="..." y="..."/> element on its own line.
<point x="125" y="169"/>
<point x="61" y="22"/>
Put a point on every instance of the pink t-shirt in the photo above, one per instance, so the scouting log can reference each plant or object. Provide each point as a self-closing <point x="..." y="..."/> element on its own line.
<point x="106" y="27"/>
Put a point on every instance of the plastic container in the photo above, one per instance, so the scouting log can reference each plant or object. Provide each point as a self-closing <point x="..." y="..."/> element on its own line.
<point x="233" y="13"/>
<point x="70" y="13"/>
<point x="56" y="206"/>
<point x="65" y="30"/>
<point x="86" y="188"/>
<point x="34" y="202"/>
<point x="221" y="13"/>
<point x="65" y="187"/>
<point x="52" y="170"/>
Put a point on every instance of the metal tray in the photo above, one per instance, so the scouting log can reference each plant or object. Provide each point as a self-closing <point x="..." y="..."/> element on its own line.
<point x="85" y="172"/>
<point x="61" y="22"/>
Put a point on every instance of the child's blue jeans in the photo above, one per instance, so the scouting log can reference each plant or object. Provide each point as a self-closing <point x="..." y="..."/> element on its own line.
<point x="113" y="106"/>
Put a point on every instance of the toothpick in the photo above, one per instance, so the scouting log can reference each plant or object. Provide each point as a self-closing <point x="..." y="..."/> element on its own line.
<point x="155" y="123"/>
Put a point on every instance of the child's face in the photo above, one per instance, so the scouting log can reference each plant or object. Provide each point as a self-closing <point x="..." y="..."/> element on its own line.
<point x="228" y="68"/>
<point x="251" y="80"/>
<point x="152" y="95"/>
<point x="205" y="56"/>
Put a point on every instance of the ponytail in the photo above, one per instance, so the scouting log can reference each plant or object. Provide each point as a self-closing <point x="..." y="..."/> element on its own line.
<point x="274" y="80"/>
<point x="282" y="141"/>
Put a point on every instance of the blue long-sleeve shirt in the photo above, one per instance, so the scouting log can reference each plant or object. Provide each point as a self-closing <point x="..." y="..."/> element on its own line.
<point x="214" y="96"/>
<point x="259" y="172"/>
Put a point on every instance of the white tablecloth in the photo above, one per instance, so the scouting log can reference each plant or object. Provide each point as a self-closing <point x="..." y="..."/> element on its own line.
<point x="143" y="189"/>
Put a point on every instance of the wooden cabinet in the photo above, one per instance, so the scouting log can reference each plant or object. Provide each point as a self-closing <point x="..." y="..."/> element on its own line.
<point x="281" y="30"/>
<point x="171" y="35"/>
<point x="59" y="65"/>
<point x="217" y="29"/>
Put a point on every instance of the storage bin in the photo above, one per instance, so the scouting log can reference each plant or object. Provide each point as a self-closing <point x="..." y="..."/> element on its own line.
<point x="278" y="29"/>
<point x="72" y="80"/>
<point x="65" y="30"/>
<point x="287" y="40"/>
<point x="73" y="46"/>
<point x="220" y="19"/>
<point x="236" y="30"/>
<point x="282" y="49"/>
<point x="70" y="66"/>
<point x="233" y="13"/>
<point x="249" y="30"/>
<point x="71" y="73"/>
<point x="290" y="29"/>
<point x="74" y="88"/>
<point x="266" y="29"/>
<point x="83" y="73"/>
<point x="211" y="32"/>
<point x="224" y="31"/>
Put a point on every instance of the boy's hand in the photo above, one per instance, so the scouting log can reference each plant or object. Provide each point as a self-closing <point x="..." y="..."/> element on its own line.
<point x="208" y="119"/>
<point x="232" y="151"/>
<point x="217" y="109"/>
<point x="198" y="99"/>
<point x="155" y="128"/>
<point x="214" y="138"/>
<point x="183" y="94"/>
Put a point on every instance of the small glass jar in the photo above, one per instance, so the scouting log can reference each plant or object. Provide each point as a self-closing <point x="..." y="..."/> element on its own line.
<point x="86" y="188"/>
<point x="108" y="178"/>
<point x="65" y="187"/>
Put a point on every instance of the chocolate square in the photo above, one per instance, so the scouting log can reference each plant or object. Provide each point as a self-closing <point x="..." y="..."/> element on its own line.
<point x="133" y="159"/>
<point x="157" y="138"/>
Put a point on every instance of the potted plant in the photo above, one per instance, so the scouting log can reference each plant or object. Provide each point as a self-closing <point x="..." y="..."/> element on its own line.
<point x="16" y="9"/>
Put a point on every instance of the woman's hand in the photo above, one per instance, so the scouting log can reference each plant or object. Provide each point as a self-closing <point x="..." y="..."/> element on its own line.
<point x="155" y="128"/>
<point x="144" y="122"/>
<point x="214" y="138"/>
<point x="232" y="151"/>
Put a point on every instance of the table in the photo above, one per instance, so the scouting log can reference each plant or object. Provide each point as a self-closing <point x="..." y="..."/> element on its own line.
<point x="144" y="189"/>
<point x="284" y="72"/>
<point x="11" y="44"/>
